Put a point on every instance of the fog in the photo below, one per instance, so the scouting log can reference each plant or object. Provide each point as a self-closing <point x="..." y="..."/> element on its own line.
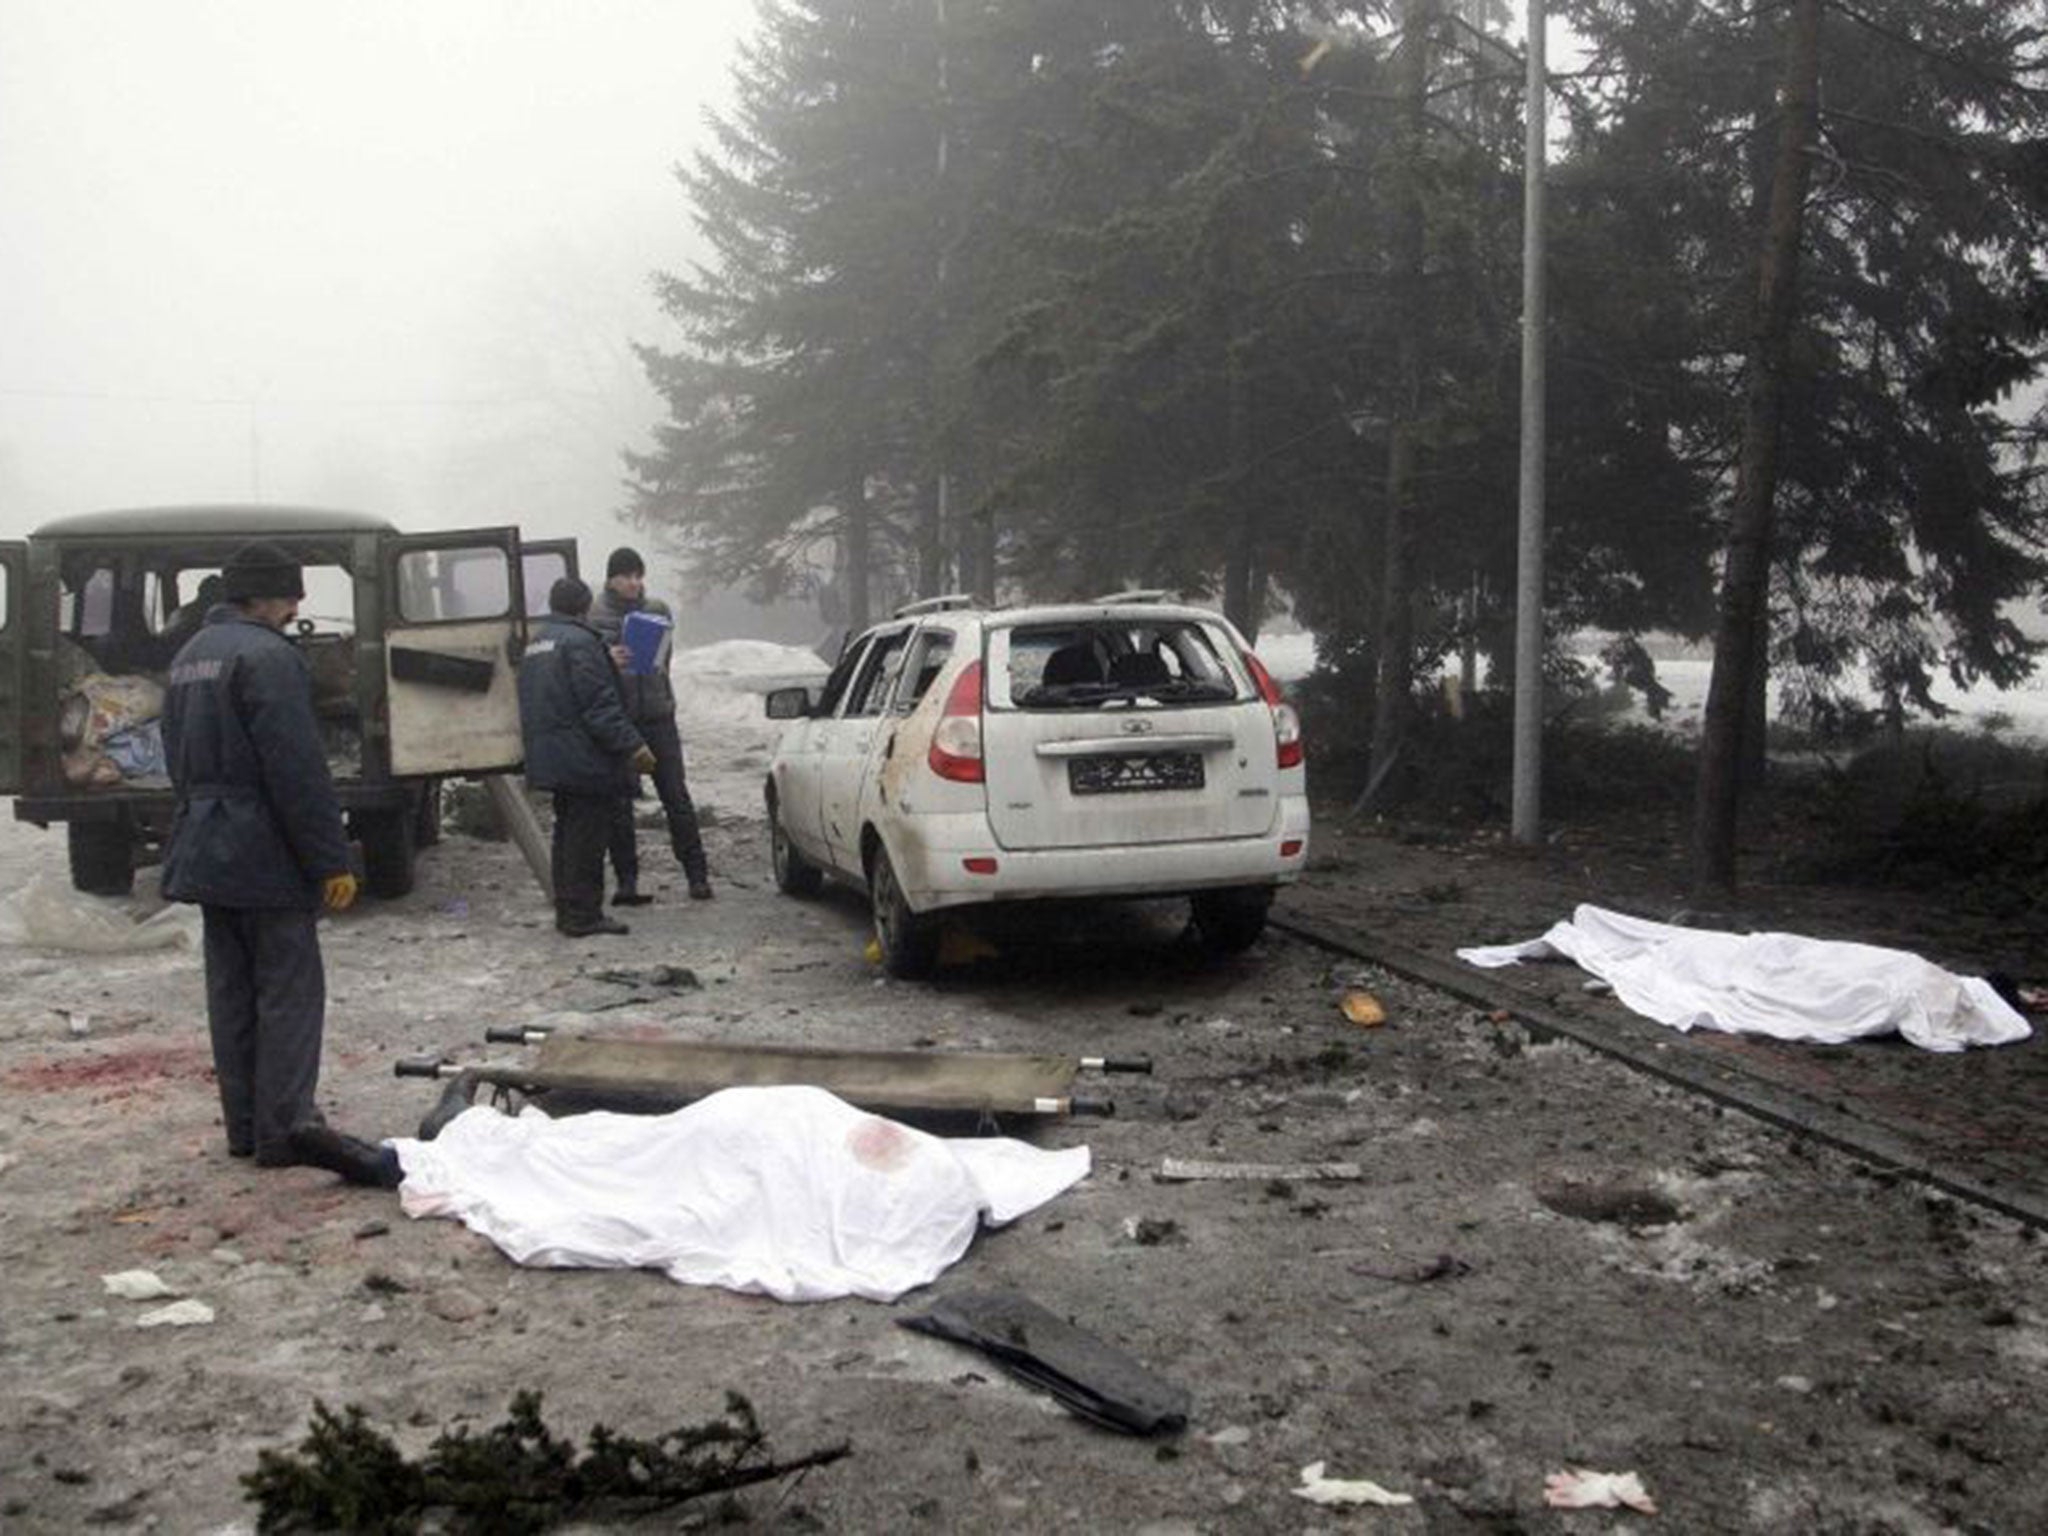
<point x="386" y="255"/>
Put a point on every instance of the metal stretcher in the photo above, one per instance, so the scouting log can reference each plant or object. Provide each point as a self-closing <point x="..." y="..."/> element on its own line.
<point x="572" y="1073"/>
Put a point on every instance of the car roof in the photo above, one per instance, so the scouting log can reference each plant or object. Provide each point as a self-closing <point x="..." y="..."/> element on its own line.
<point x="229" y="519"/>
<point x="1074" y="613"/>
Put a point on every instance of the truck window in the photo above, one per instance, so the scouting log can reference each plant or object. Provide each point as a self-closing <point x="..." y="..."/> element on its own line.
<point x="540" y="570"/>
<point x="85" y="603"/>
<point x="446" y="585"/>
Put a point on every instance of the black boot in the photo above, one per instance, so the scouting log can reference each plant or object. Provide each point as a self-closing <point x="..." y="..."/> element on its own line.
<point x="356" y="1160"/>
<point x="627" y="896"/>
<point x="584" y="928"/>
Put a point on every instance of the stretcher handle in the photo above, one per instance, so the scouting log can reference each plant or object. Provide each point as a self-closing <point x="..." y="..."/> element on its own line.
<point x="515" y="1034"/>
<point x="1087" y="1104"/>
<point x="1118" y="1064"/>
<point x="418" y="1066"/>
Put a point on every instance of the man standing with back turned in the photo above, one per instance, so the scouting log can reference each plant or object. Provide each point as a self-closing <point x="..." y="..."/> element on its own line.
<point x="580" y="747"/>
<point x="651" y="701"/>
<point x="257" y="842"/>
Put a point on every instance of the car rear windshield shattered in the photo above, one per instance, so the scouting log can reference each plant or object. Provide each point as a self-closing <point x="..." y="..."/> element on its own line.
<point x="1073" y="666"/>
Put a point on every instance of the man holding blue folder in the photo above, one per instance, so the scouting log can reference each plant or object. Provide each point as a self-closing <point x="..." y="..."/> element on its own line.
<point x="640" y="630"/>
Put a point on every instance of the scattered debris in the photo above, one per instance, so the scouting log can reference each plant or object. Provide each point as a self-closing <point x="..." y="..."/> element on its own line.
<point x="1621" y="1205"/>
<point x="188" y="1313"/>
<point x="1236" y="1434"/>
<point x="1445" y="1266"/>
<point x="1318" y="1489"/>
<point x="1153" y="1231"/>
<point x="136" y="1285"/>
<point x="1087" y="1375"/>
<point x="1579" y="1488"/>
<point x="665" y="978"/>
<point x="961" y="945"/>
<point x="516" y="1477"/>
<point x="1180" y="1170"/>
<point x="453" y="1304"/>
<point x="1364" y="1010"/>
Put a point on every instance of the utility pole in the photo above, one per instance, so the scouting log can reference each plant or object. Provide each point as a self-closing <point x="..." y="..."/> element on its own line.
<point x="1526" y="821"/>
<point x="942" y="515"/>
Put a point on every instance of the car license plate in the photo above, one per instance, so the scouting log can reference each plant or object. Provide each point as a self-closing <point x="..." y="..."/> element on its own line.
<point x="1124" y="775"/>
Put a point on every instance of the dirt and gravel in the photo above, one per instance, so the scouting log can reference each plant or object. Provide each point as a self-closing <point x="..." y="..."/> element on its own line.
<point x="1549" y="1261"/>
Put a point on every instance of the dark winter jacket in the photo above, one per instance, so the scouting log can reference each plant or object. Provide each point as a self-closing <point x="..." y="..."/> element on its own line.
<point x="578" y="739"/>
<point x="650" y="697"/>
<point x="257" y="824"/>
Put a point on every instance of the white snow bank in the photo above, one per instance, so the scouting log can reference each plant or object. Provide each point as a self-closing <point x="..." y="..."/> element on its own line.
<point x="744" y="662"/>
<point x="1289" y="658"/>
<point x="48" y="914"/>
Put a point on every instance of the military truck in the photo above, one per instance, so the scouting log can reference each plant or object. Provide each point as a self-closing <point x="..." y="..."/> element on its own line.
<point x="411" y="639"/>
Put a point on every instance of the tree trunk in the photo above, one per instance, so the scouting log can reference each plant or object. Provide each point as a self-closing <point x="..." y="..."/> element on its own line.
<point x="1396" y="640"/>
<point x="856" y="535"/>
<point x="1745" y="583"/>
<point x="931" y="539"/>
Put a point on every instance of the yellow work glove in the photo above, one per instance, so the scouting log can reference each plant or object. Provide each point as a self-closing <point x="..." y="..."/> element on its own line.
<point x="643" y="759"/>
<point x="338" y="892"/>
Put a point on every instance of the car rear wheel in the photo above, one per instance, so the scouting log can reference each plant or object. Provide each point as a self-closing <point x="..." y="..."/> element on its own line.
<point x="909" y="943"/>
<point x="102" y="856"/>
<point x="795" y="875"/>
<point x="1231" y="921"/>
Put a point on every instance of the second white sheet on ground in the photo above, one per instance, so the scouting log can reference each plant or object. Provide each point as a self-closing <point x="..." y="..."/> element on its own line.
<point x="1822" y="990"/>
<point x="789" y="1192"/>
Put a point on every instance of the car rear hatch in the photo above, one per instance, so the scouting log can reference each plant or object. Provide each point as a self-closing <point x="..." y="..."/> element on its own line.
<point x="1117" y="729"/>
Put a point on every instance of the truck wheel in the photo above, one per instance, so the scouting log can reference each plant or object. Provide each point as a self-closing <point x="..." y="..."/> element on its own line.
<point x="388" y="845"/>
<point x="795" y="875"/>
<point x="102" y="856"/>
<point x="1231" y="921"/>
<point x="909" y="943"/>
<point x="426" y="826"/>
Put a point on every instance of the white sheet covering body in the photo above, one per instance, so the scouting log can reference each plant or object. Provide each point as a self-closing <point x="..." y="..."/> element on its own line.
<point x="1820" y="990"/>
<point x="789" y="1192"/>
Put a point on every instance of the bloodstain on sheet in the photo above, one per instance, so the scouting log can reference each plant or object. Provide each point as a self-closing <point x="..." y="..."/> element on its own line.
<point x="113" y="1074"/>
<point x="881" y="1145"/>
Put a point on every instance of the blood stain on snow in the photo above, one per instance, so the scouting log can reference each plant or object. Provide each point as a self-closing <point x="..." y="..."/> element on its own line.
<point x="112" y="1074"/>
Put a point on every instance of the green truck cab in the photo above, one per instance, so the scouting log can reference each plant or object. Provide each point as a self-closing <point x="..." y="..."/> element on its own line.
<point x="411" y="638"/>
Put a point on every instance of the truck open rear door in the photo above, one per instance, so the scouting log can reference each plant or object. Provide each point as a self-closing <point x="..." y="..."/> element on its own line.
<point x="450" y="644"/>
<point x="544" y="562"/>
<point x="13" y="659"/>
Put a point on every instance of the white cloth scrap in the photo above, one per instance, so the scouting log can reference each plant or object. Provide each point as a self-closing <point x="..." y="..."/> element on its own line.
<point x="1822" y="990"/>
<point x="789" y="1192"/>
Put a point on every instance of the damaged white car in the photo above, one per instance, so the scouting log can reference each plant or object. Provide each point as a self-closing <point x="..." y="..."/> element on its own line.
<point x="959" y="755"/>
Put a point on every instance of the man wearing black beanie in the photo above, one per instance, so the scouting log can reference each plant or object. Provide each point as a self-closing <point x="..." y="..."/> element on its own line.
<point x="651" y="701"/>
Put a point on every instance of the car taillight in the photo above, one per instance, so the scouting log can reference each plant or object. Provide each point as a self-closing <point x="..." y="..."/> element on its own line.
<point x="1287" y="741"/>
<point x="956" y="744"/>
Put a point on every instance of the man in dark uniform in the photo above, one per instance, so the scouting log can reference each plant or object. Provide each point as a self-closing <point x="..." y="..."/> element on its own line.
<point x="580" y="747"/>
<point x="257" y="842"/>
<point x="651" y="702"/>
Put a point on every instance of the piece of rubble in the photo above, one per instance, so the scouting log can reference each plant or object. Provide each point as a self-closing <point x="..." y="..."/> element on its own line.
<point x="189" y="1313"/>
<point x="1318" y="1489"/>
<point x="1364" y="1010"/>
<point x="136" y="1285"/>
<point x="1581" y="1488"/>
<point x="1181" y="1170"/>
